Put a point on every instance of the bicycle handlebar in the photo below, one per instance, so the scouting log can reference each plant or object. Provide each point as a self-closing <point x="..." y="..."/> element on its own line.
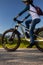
<point x="18" y="21"/>
<point x="15" y="19"/>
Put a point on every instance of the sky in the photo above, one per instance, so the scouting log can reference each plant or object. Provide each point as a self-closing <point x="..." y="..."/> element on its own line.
<point x="10" y="8"/>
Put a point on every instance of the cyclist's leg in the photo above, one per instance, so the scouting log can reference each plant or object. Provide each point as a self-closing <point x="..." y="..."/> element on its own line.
<point x="33" y="24"/>
<point x="27" y="23"/>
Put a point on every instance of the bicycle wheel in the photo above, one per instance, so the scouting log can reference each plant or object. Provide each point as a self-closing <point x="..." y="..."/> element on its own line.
<point x="39" y="39"/>
<point x="11" y="45"/>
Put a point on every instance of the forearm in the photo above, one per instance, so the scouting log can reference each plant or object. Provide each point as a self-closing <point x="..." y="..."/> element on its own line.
<point x="27" y="8"/>
<point x="26" y="17"/>
<point x="22" y="12"/>
<point x="19" y="14"/>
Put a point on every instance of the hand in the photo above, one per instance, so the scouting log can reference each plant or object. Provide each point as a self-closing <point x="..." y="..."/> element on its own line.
<point x="21" y="21"/>
<point x="15" y="19"/>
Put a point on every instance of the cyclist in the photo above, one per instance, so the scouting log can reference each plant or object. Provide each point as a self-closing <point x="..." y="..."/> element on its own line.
<point x="35" y="18"/>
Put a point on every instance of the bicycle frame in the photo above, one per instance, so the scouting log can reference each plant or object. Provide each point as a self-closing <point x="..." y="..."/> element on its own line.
<point x="21" y="27"/>
<point x="22" y="30"/>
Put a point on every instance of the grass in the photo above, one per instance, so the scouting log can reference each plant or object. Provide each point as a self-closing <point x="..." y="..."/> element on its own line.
<point x="1" y="46"/>
<point x="24" y="44"/>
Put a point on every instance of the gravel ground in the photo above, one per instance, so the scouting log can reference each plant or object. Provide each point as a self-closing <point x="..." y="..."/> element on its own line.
<point x="21" y="57"/>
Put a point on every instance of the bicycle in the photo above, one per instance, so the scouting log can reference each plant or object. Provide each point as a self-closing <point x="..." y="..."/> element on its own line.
<point x="11" y="38"/>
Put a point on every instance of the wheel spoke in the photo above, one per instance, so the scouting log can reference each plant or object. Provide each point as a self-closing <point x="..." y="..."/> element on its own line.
<point x="10" y="42"/>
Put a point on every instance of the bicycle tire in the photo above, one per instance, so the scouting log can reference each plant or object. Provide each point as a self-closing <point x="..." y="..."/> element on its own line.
<point x="39" y="45"/>
<point x="4" y="41"/>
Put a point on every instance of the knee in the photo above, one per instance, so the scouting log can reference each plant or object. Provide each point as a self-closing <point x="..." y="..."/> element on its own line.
<point x="28" y="22"/>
